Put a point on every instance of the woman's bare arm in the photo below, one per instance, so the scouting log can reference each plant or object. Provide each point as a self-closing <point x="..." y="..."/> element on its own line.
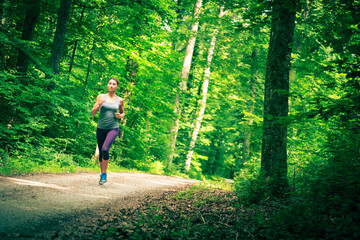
<point x="98" y="103"/>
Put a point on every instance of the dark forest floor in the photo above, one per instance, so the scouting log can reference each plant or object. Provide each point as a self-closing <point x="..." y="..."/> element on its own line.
<point x="205" y="213"/>
<point x="186" y="213"/>
<point x="199" y="213"/>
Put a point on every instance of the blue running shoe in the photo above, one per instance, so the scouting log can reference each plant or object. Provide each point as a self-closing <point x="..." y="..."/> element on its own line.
<point x="103" y="179"/>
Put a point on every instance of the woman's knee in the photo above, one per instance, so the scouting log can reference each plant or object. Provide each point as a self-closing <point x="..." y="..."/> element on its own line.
<point x="105" y="154"/>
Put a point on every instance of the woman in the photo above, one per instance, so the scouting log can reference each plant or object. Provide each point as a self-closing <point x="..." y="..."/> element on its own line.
<point x="111" y="109"/>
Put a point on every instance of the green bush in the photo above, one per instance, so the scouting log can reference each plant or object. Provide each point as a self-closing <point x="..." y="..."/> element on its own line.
<point x="27" y="159"/>
<point x="249" y="184"/>
<point x="44" y="122"/>
<point x="330" y="210"/>
<point x="156" y="167"/>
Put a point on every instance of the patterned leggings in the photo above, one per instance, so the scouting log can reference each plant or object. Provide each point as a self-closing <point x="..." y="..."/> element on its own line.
<point x="105" y="138"/>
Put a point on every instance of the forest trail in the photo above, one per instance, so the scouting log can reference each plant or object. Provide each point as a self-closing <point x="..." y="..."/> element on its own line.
<point x="29" y="203"/>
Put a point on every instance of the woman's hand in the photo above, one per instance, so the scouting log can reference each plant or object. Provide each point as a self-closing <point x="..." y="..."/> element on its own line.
<point x="118" y="115"/>
<point x="121" y="112"/>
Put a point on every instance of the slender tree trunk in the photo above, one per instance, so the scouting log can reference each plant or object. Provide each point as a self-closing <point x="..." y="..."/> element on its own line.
<point x="251" y="105"/>
<point x="76" y="43"/>
<point x="10" y="23"/>
<point x="6" y="58"/>
<point x="2" y="23"/>
<point x="59" y="38"/>
<point x="204" y="95"/>
<point x="32" y="13"/>
<point x="274" y="151"/>
<point x="190" y="47"/>
<point x="183" y="80"/>
<point x="2" y="15"/>
<point x="88" y="69"/>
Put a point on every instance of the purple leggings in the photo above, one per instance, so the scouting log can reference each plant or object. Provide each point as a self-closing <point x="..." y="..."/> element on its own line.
<point x="105" y="138"/>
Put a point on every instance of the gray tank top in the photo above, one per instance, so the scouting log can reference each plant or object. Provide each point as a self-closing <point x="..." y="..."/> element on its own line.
<point x="107" y="119"/>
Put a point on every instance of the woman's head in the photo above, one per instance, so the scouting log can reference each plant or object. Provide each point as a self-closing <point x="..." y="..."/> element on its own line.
<point x="114" y="79"/>
<point x="113" y="84"/>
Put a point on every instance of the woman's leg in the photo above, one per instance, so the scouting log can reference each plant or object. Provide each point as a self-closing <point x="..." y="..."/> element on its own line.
<point x="110" y="138"/>
<point x="104" y="165"/>
<point x="100" y="137"/>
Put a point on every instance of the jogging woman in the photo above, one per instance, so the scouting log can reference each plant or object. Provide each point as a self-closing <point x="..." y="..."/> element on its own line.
<point x="111" y="109"/>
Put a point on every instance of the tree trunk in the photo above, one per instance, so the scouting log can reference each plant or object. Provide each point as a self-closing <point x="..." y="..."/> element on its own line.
<point x="2" y="11"/>
<point x="274" y="151"/>
<point x="88" y="69"/>
<point x="204" y="95"/>
<point x="2" y="23"/>
<point x="59" y="38"/>
<point x="183" y="79"/>
<point x="32" y="13"/>
<point x="76" y="43"/>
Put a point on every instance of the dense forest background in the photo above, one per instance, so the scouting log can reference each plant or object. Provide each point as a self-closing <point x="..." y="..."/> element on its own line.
<point x="195" y="76"/>
<point x="263" y="92"/>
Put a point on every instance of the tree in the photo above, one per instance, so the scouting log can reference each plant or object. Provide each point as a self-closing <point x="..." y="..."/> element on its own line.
<point x="32" y="13"/>
<point x="204" y="95"/>
<point x="183" y="79"/>
<point x="76" y="41"/>
<point x="274" y="149"/>
<point x="59" y="38"/>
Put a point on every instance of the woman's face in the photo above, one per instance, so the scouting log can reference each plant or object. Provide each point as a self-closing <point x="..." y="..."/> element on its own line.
<point x="112" y="85"/>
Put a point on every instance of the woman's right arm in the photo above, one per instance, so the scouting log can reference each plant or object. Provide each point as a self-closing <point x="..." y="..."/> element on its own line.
<point x="98" y="103"/>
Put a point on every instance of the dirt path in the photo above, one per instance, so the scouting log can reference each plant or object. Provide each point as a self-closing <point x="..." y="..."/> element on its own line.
<point x="29" y="202"/>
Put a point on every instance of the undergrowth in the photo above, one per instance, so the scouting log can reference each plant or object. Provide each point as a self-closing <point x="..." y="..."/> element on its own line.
<point x="204" y="212"/>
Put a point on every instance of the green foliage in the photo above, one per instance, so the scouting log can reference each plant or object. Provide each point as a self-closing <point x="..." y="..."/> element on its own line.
<point x="227" y="112"/>
<point x="54" y="112"/>
<point x="329" y="210"/>
<point x="156" y="167"/>
<point x="101" y="40"/>
<point x="195" y="171"/>
<point x="252" y="191"/>
<point x="248" y="183"/>
<point x="45" y="123"/>
<point x="253" y="187"/>
<point x="213" y="182"/>
<point x="27" y="159"/>
<point x="41" y="126"/>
